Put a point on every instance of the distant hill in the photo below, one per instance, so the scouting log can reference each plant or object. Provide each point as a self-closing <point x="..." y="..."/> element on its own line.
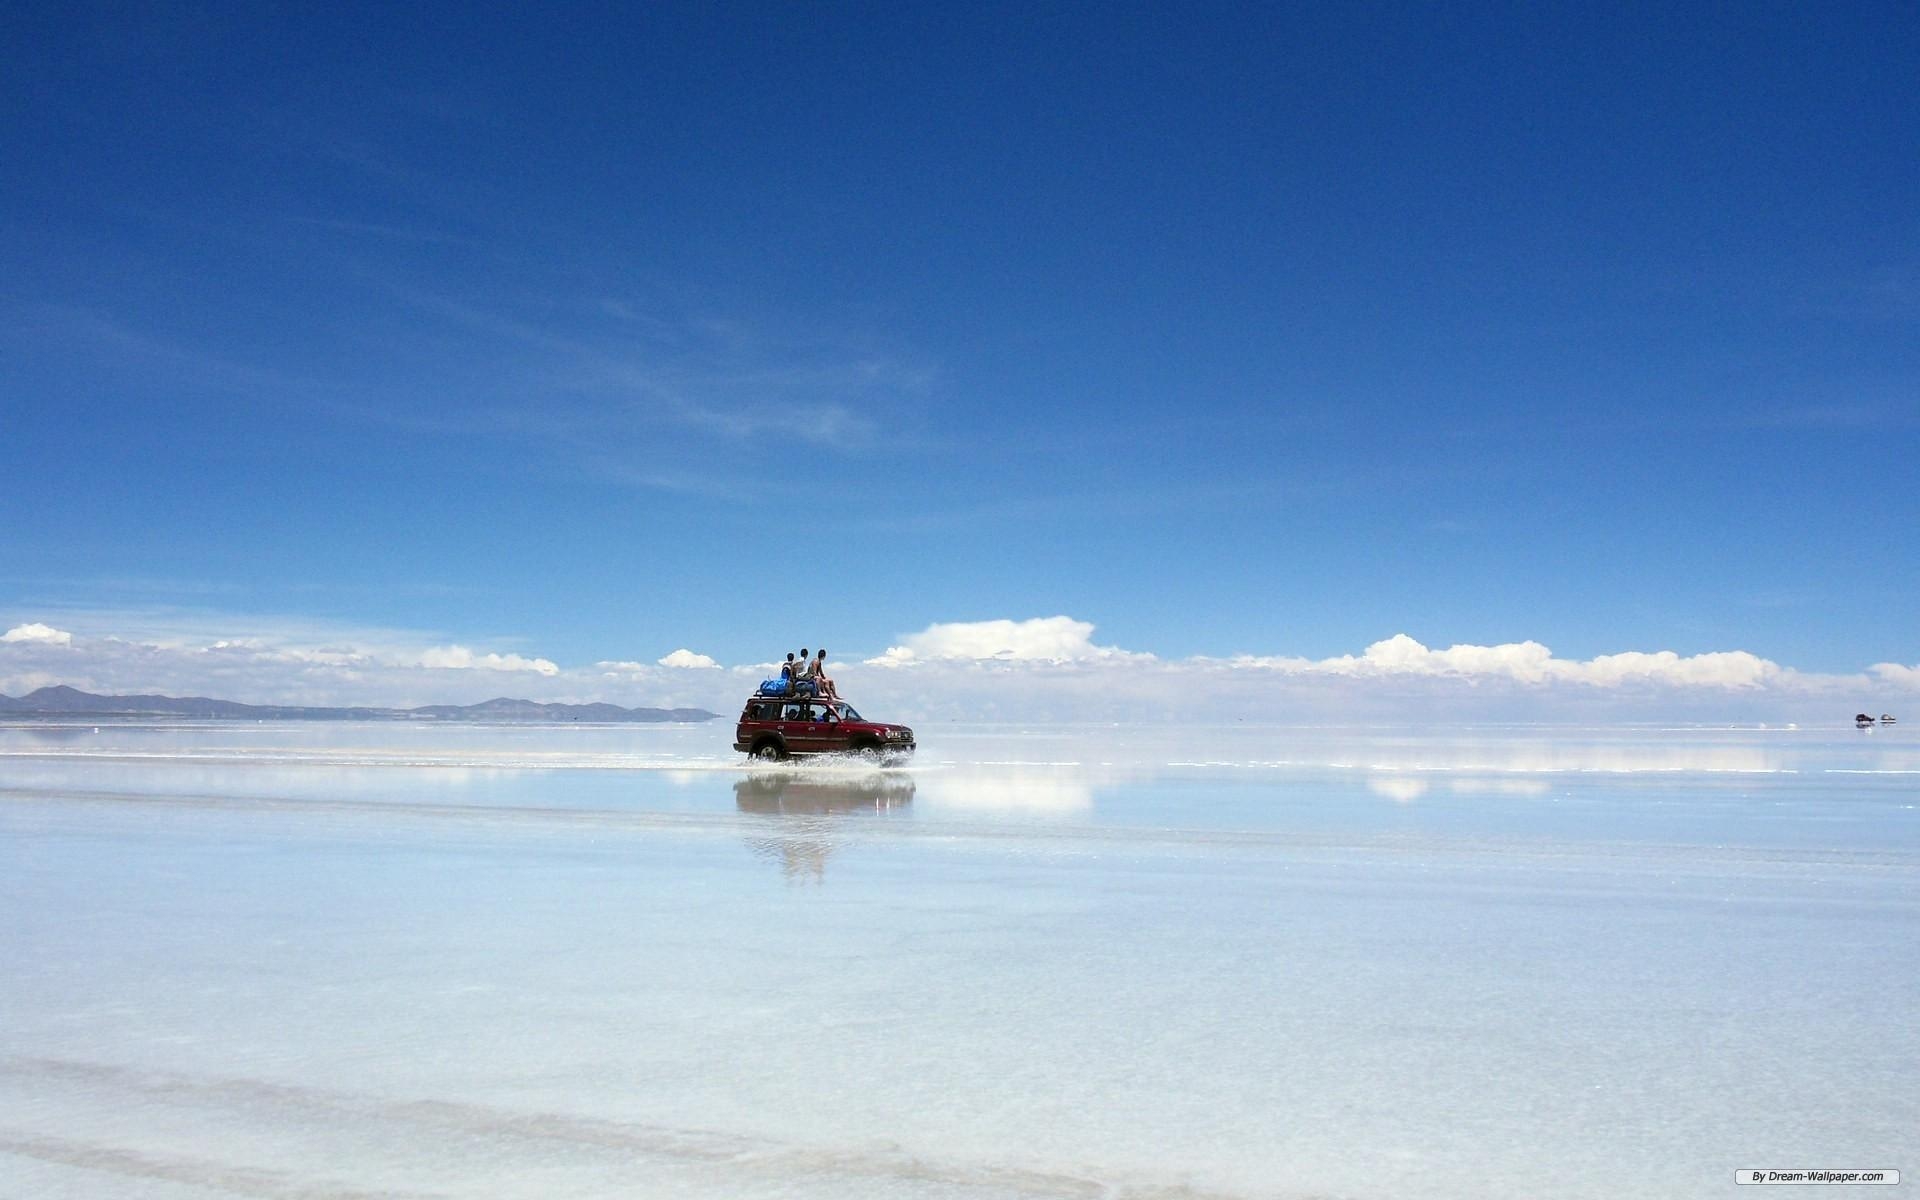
<point x="65" y="701"/>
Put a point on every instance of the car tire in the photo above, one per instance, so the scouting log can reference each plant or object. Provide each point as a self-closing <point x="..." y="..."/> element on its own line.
<point x="769" y="752"/>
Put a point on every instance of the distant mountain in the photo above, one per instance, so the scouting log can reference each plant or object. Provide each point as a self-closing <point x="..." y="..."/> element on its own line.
<point x="65" y="701"/>
<point x="503" y="709"/>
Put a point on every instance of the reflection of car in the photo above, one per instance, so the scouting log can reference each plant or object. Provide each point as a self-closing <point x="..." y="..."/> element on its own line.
<point x="784" y="792"/>
<point x="799" y="814"/>
<point x="776" y="727"/>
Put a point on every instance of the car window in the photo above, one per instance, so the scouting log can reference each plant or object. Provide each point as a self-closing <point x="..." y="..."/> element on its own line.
<point x="794" y="712"/>
<point x="847" y="713"/>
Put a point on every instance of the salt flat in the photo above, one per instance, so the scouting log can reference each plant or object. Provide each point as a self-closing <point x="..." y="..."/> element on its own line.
<point x="354" y="960"/>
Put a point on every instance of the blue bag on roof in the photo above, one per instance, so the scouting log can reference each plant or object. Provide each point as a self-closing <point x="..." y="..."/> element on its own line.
<point x="773" y="687"/>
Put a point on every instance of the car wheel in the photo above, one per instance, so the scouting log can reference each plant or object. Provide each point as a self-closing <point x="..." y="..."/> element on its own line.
<point x="769" y="752"/>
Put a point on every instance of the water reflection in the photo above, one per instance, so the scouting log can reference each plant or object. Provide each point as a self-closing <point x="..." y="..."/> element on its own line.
<point x="808" y="814"/>
<point x="1403" y="789"/>
<point x="1042" y="791"/>
<point x="57" y="735"/>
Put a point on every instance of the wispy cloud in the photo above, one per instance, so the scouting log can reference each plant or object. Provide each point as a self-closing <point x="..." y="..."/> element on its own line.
<point x="599" y="382"/>
<point x="107" y="341"/>
<point x="558" y="372"/>
<point x="380" y="231"/>
<point x="1848" y="416"/>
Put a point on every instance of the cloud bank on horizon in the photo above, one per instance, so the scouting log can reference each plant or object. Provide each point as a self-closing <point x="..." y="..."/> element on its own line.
<point x="1044" y="668"/>
<point x="1064" y="640"/>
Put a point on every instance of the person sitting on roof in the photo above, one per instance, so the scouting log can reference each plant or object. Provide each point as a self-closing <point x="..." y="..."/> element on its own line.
<point x="818" y="673"/>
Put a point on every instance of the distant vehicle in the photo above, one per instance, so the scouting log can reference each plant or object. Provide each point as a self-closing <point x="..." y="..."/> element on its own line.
<point x="1887" y="719"/>
<point x="773" y="728"/>
<point x="1862" y="720"/>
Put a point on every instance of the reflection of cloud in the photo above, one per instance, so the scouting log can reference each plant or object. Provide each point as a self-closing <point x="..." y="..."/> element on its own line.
<point x="1501" y="787"/>
<point x="1488" y="757"/>
<point x="1039" y="790"/>
<point x="1528" y="757"/>
<point x="1397" y="788"/>
<point x="1405" y="789"/>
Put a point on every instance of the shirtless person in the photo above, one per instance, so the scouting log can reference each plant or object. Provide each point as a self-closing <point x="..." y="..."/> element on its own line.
<point x="822" y="685"/>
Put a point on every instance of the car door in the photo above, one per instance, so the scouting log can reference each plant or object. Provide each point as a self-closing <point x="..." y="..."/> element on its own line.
<point x="811" y="733"/>
<point x="793" y="727"/>
<point x="827" y="727"/>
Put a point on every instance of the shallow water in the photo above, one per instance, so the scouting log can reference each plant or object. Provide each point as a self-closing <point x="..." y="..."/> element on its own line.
<point x="344" y="960"/>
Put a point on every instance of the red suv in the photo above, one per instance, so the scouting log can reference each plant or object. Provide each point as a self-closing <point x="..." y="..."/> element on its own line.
<point x="774" y="727"/>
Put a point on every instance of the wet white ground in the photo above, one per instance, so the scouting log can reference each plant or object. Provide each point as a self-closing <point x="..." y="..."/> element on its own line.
<point x="337" y="960"/>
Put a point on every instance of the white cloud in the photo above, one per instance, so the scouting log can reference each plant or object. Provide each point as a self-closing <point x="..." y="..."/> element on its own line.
<point x="36" y="632"/>
<point x="460" y="658"/>
<point x="1723" y="669"/>
<point x="1530" y="663"/>
<point x="685" y="658"/>
<point x="1899" y="676"/>
<point x="1039" y="639"/>
<point x="1062" y="640"/>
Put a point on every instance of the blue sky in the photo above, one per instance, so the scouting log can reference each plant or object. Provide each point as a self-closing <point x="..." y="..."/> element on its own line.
<point x="1244" y="331"/>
